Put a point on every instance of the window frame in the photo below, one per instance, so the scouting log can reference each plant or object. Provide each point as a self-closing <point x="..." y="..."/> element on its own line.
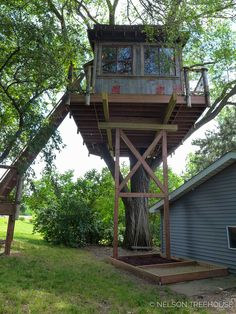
<point x="228" y="238"/>
<point x="159" y="47"/>
<point x="121" y="45"/>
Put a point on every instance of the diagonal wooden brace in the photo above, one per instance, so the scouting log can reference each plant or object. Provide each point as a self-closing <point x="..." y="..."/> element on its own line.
<point x="138" y="163"/>
<point x="141" y="160"/>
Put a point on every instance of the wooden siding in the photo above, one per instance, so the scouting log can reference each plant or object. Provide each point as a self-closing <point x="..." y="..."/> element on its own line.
<point x="198" y="221"/>
<point x="137" y="83"/>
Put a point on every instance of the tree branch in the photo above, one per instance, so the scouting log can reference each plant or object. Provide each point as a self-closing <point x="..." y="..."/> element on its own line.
<point x="11" y="55"/>
<point x="81" y="5"/>
<point x="60" y="16"/>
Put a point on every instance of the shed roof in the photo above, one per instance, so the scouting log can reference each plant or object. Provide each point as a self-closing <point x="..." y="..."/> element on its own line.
<point x="132" y="33"/>
<point x="197" y="180"/>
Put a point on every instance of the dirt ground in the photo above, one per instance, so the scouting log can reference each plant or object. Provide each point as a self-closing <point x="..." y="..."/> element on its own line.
<point x="220" y="301"/>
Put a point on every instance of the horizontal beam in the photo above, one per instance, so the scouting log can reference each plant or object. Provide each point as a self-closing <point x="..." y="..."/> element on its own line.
<point x="7" y="167"/>
<point x="150" y="195"/>
<point x="136" y="99"/>
<point x="7" y="208"/>
<point x="138" y="126"/>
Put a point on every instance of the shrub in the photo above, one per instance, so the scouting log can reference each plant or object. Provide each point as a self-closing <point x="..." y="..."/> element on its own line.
<point x="61" y="215"/>
<point x="70" y="223"/>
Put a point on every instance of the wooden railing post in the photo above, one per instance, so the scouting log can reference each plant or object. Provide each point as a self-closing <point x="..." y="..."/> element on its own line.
<point x="206" y="86"/>
<point x="187" y="86"/>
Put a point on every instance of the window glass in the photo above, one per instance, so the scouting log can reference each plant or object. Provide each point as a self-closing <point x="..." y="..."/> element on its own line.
<point x="167" y="61"/>
<point x="232" y="237"/>
<point x="108" y="60"/>
<point x="151" y="60"/>
<point x="117" y="60"/>
<point x="159" y="61"/>
<point x="124" y="58"/>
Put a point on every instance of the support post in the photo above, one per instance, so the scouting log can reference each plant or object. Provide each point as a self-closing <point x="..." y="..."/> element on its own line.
<point x="206" y="86"/>
<point x="12" y="218"/>
<point x="187" y="86"/>
<point x="166" y="198"/>
<point x="10" y="232"/>
<point x="117" y="183"/>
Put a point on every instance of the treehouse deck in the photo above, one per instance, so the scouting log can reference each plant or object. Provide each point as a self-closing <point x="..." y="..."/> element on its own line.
<point x="142" y="110"/>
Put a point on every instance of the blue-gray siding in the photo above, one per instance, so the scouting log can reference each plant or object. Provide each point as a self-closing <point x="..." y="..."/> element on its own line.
<point x="198" y="220"/>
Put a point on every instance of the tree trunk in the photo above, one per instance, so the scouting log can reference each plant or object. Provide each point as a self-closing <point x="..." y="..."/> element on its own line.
<point x="137" y="231"/>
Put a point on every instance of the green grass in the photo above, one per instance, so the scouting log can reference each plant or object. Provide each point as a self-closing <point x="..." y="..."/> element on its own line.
<point x="40" y="278"/>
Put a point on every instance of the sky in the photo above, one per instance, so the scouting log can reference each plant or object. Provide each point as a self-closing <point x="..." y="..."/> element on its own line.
<point x="76" y="157"/>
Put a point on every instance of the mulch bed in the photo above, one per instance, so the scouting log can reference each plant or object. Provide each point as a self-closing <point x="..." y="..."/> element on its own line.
<point x="140" y="260"/>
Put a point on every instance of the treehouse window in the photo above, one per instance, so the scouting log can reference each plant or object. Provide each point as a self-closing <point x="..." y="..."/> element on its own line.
<point x="117" y="60"/>
<point x="231" y="233"/>
<point x="159" y="61"/>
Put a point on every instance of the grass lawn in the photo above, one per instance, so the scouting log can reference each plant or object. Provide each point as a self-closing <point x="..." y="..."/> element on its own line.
<point x="40" y="278"/>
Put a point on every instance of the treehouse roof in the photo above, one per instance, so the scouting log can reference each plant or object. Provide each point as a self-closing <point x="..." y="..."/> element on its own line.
<point x="133" y="33"/>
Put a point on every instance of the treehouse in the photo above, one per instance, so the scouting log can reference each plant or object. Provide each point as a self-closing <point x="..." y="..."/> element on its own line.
<point x="138" y="102"/>
<point x="136" y="78"/>
<point x="127" y="61"/>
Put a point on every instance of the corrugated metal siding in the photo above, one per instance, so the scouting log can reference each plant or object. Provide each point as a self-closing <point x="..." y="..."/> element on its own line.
<point x="198" y="220"/>
<point x="137" y="85"/>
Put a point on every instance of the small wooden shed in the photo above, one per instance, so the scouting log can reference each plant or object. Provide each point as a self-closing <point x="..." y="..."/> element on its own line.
<point x="203" y="215"/>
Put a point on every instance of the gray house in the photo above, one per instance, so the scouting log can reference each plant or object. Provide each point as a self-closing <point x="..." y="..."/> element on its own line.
<point x="203" y="215"/>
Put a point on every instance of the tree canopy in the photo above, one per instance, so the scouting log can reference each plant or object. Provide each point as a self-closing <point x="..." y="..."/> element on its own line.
<point x="39" y="39"/>
<point x="215" y="144"/>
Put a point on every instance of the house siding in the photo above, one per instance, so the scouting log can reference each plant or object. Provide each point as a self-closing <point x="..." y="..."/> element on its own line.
<point x="198" y="221"/>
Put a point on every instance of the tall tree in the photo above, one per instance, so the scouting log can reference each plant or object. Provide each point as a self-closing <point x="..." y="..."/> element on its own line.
<point x="215" y="144"/>
<point x="53" y="31"/>
<point x="37" y="45"/>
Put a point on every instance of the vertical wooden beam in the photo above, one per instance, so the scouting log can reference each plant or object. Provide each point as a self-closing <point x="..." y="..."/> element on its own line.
<point x="166" y="199"/>
<point x="206" y="87"/>
<point x="105" y="105"/>
<point x="10" y="232"/>
<point x="117" y="183"/>
<point x="187" y="87"/>
<point x="12" y="217"/>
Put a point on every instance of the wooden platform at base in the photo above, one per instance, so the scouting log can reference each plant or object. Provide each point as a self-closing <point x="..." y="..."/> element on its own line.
<point x="177" y="271"/>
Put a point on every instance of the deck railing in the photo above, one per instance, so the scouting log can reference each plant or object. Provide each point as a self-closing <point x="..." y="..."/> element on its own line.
<point x="202" y="86"/>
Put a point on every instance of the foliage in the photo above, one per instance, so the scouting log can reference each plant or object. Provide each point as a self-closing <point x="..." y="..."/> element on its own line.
<point x="174" y="181"/>
<point x="30" y="36"/>
<point x="215" y="144"/>
<point x="62" y="216"/>
<point x="81" y="212"/>
<point x="74" y="213"/>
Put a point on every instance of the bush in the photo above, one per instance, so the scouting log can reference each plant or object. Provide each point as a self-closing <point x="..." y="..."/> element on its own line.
<point x="71" y="224"/>
<point x="61" y="215"/>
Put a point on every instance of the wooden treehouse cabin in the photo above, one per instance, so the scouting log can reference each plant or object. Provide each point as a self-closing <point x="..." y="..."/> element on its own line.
<point x="137" y="101"/>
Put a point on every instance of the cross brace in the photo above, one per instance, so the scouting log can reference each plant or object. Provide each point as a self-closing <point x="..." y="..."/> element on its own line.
<point x="141" y="160"/>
